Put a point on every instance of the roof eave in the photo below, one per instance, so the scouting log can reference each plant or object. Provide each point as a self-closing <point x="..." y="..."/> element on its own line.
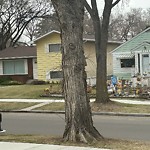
<point x="53" y="31"/>
<point x="22" y="57"/>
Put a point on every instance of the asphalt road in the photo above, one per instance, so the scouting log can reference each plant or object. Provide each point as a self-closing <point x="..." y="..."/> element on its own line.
<point x="135" y="128"/>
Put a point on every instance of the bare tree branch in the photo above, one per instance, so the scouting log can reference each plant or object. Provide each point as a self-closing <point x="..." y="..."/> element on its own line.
<point x="15" y="16"/>
<point x="115" y="3"/>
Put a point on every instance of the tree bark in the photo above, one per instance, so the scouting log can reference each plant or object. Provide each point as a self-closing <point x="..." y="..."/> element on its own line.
<point x="101" y="38"/>
<point x="78" y="118"/>
<point x="101" y="82"/>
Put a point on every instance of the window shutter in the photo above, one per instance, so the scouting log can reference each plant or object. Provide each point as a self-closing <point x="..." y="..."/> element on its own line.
<point x="48" y="75"/>
<point x="46" y="48"/>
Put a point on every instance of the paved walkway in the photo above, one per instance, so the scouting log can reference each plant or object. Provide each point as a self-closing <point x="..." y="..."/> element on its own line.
<point x="127" y="101"/>
<point x="29" y="146"/>
<point x="42" y="102"/>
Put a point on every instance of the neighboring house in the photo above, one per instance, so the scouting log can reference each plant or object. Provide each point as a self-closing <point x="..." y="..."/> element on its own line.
<point x="133" y="57"/>
<point x="49" y="56"/>
<point x="19" y="63"/>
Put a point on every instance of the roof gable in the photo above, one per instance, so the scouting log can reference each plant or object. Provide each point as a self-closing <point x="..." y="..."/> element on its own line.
<point x="45" y="35"/>
<point x="89" y="38"/>
<point x="128" y="46"/>
<point x="142" y="47"/>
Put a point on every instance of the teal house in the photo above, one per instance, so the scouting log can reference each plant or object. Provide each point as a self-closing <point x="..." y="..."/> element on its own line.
<point x="132" y="58"/>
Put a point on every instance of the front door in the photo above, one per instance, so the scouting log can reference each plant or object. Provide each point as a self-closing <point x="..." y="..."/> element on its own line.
<point x="145" y="63"/>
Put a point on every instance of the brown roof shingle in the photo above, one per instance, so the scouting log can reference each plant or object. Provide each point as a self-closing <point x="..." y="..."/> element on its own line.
<point x="18" y="52"/>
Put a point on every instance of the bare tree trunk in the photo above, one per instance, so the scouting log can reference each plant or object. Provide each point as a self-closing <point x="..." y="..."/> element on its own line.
<point x="78" y="118"/>
<point x="101" y="88"/>
<point x="101" y="38"/>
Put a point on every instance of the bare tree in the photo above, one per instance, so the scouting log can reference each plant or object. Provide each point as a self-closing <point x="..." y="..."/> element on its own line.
<point x="30" y="31"/>
<point x="50" y="22"/>
<point x="79" y="124"/>
<point x="87" y="24"/>
<point x="101" y="38"/>
<point x="127" y="25"/>
<point x="47" y="24"/>
<point x="15" y="15"/>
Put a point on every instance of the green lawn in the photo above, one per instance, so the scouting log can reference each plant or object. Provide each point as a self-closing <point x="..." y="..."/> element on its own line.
<point x="34" y="91"/>
<point x="25" y="91"/>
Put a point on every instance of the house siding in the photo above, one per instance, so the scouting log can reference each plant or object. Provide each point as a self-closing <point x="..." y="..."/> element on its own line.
<point x="51" y="61"/>
<point x="127" y="46"/>
<point x="110" y="47"/>
<point x="121" y="73"/>
<point x="90" y="56"/>
<point x="47" y="61"/>
<point x="138" y="45"/>
<point x="89" y="50"/>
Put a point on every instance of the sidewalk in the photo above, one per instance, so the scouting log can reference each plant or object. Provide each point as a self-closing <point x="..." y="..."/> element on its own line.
<point x="127" y="101"/>
<point x="29" y="146"/>
<point x="42" y="102"/>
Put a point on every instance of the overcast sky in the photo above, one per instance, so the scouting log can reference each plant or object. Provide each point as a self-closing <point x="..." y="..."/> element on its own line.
<point x="132" y="4"/>
<point x="140" y="3"/>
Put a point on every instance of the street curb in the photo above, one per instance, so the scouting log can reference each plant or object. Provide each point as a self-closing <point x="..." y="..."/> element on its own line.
<point x="93" y="113"/>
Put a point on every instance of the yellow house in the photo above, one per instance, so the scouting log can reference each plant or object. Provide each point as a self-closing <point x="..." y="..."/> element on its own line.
<point x="49" y="56"/>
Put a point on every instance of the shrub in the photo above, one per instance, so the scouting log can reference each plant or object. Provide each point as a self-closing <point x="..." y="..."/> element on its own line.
<point x="5" y="80"/>
<point x="36" y="82"/>
<point x="10" y="82"/>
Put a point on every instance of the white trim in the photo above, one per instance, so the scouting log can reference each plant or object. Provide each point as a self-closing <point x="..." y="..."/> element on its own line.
<point x="93" y="40"/>
<point x="140" y="45"/>
<point x="53" y="31"/>
<point x="1" y="68"/>
<point x="35" y="71"/>
<point x="125" y="56"/>
<point x="26" y="66"/>
<point x="84" y="39"/>
<point x="48" y="76"/>
<point x="23" y="57"/>
<point x="46" y="48"/>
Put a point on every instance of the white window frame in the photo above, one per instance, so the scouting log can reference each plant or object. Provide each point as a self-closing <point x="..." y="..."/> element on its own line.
<point x="48" y="50"/>
<point x="12" y="60"/>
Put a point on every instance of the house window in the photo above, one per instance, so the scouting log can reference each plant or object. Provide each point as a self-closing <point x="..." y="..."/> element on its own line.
<point x="127" y="63"/>
<point x="54" y="47"/>
<point x="13" y="67"/>
<point x="56" y="75"/>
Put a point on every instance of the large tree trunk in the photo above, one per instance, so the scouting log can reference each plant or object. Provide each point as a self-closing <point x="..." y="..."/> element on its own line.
<point x="101" y="82"/>
<point x="101" y="38"/>
<point x="78" y="118"/>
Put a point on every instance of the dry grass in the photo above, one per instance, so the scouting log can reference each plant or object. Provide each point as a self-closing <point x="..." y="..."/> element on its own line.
<point x="14" y="106"/>
<point x="120" y="107"/>
<point x="106" y="143"/>
<point x="26" y="91"/>
<point x="110" y="107"/>
<point x="53" y="107"/>
<point x="22" y="91"/>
